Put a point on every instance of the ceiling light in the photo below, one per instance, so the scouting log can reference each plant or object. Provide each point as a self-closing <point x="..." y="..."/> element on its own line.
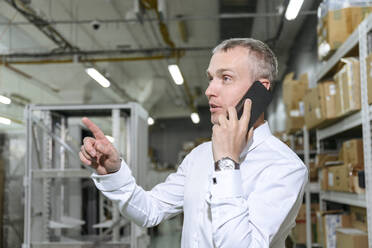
<point x="195" y="117"/>
<point x="110" y="138"/>
<point x="150" y="121"/>
<point x="5" y="100"/>
<point x="293" y="8"/>
<point x="176" y="74"/>
<point x="5" y="121"/>
<point x="96" y="75"/>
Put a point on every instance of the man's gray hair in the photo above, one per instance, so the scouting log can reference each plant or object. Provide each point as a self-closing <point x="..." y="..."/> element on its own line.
<point x="266" y="64"/>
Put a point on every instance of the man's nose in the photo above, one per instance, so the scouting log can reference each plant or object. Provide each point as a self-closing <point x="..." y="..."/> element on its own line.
<point x="211" y="90"/>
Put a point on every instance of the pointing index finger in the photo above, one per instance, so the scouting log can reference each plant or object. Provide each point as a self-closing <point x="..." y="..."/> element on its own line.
<point x="93" y="128"/>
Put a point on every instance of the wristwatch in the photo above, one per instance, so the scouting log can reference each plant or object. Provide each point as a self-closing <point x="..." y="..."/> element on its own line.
<point x="226" y="163"/>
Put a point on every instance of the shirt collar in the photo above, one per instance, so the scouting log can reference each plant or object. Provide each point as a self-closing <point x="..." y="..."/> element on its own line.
<point x="259" y="135"/>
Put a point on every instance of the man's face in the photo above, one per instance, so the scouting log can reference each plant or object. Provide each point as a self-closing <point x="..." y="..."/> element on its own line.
<point x="230" y="76"/>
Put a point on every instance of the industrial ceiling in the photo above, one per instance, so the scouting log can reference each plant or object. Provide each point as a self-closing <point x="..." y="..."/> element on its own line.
<point x="46" y="45"/>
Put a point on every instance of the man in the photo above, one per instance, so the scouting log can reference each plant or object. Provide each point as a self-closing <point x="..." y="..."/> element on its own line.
<point x="242" y="189"/>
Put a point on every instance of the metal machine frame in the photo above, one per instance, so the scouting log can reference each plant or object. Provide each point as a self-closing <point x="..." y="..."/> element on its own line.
<point x="46" y="159"/>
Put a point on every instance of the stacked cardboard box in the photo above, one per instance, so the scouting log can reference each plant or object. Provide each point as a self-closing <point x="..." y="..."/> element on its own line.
<point x="359" y="218"/>
<point x="299" y="231"/>
<point x="293" y="93"/>
<point x="342" y="175"/>
<point x="321" y="105"/>
<point x="351" y="237"/>
<point x="328" y="222"/>
<point x="336" y="26"/>
<point x="348" y="82"/>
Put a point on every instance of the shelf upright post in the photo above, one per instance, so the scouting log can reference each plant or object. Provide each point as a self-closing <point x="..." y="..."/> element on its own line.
<point x="27" y="180"/>
<point x="366" y="126"/>
<point x="307" y="187"/>
<point x="116" y="136"/>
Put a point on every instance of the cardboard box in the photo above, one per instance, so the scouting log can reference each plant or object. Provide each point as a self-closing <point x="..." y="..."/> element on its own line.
<point x="301" y="216"/>
<point x="357" y="15"/>
<point x="338" y="178"/>
<point x="350" y="237"/>
<point x="328" y="222"/>
<point x="313" y="110"/>
<point x="293" y="93"/>
<point x="359" y="218"/>
<point x="299" y="232"/>
<point x="343" y="178"/>
<point x="335" y="27"/>
<point x="294" y="124"/>
<point x="348" y="81"/>
<point x="324" y="179"/>
<point x="369" y="77"/>
<point x="352" y="151"/>
<point x="313" y="172"/>
<point x="328" y="94"/>
<point x="322" y="158"/>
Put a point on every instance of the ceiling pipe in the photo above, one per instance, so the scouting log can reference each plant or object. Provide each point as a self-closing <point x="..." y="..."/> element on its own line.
<point x="170" y="19"/>
<point x="164" y="51"/>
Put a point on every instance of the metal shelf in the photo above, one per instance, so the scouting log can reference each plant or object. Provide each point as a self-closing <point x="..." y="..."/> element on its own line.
<point x="314" y="187"/>
<point x="345" y="124"/>
<point x="358" y="200"/>
<point x="346" y="47"/>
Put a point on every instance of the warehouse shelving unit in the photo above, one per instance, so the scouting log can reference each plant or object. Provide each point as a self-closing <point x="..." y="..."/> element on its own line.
<point x="49" y="168"/>
<point x="360" y="37"/>
<point x="311" y="187"/>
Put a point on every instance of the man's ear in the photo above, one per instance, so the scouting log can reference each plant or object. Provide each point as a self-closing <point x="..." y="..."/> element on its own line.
<point x="265" y="82"/>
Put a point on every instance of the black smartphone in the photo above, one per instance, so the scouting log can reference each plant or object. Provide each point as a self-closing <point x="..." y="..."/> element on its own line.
<point x="260" y="97"/>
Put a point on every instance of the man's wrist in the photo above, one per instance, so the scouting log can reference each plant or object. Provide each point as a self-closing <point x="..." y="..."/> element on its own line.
<point x="226" y="163"/>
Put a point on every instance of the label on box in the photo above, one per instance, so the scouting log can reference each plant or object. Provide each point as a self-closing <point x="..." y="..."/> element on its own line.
<point x="294" y="113"/>
<point x="317" y="113"/>
<point x="328" y="98"/>
<point x="330" y="179"/>
<point x="332" y="89"/>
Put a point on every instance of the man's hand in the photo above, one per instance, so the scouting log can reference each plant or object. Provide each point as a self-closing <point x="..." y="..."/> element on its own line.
<point x="231" y="135"/>
<point x="98" y="152"/>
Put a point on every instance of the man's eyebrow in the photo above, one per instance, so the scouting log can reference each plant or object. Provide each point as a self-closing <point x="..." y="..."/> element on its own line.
<point x="219" y="71"/>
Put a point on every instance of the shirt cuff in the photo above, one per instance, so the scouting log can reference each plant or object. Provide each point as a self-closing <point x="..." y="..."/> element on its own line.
<point x="113" y="181"/>
<point x="227" y="184"/>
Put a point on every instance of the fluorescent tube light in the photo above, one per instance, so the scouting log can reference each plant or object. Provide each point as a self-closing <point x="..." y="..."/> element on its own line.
<point x="96" y="75"/>
<point x="5" y="100"/>
<point x="110" y="138"/>
<point x="176" y="74"/>
<point x="195" y="117"/>
<point x="150" y="121"/>
<point x="5" y="121"/>
<point x="293" y="8"/>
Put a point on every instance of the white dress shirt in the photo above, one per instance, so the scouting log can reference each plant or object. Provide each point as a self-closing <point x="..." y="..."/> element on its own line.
<point x="255" y="206"/>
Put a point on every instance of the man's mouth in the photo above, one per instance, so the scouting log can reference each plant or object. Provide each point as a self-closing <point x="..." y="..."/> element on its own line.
<point x="214" y="107"/>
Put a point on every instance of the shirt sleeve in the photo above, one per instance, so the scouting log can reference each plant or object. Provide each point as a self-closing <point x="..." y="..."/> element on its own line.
<point x="145" y="208"/>
<point x="252" y="220"/>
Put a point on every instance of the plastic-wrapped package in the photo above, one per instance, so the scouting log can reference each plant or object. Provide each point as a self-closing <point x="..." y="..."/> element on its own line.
<point x="331" y="5"/>
<point x="337" y="19"/>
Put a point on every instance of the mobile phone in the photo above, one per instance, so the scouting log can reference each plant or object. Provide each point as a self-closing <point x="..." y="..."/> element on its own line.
<point x="260" y="97"/>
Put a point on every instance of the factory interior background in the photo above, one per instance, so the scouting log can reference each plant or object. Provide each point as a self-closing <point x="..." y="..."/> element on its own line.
<point x="137" y="68"/>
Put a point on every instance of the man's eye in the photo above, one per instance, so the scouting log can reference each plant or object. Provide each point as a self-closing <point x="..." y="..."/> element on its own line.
<point x="226" y="78"/>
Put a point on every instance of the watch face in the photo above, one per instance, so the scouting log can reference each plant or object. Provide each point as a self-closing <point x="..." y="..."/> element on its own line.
<point x="226" y="164"/>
